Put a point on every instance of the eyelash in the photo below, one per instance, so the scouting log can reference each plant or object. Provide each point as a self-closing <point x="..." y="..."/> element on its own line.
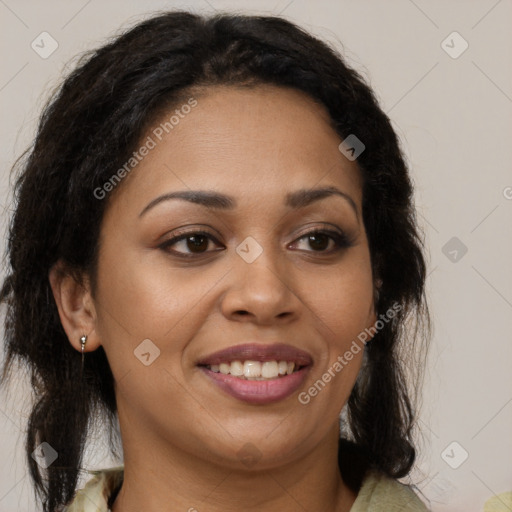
<point x="341" y="241"/>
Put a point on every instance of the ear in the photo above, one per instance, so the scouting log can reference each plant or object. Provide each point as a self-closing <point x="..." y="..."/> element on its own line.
<point x="76" y="307"/>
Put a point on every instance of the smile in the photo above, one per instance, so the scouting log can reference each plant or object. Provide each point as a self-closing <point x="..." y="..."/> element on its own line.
<point x="257" y="374"/>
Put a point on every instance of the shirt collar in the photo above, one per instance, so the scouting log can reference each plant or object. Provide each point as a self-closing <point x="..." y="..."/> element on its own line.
<point x="94" y="496"/>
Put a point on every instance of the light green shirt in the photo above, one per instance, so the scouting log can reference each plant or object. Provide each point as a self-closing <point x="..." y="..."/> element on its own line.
<point x="378" y="493"/>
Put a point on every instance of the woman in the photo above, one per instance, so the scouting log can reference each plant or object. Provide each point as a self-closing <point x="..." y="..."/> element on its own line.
<point x="166" y="271"/>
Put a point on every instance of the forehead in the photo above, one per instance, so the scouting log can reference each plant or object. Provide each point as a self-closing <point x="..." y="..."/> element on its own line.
<point x="253" y="143"/>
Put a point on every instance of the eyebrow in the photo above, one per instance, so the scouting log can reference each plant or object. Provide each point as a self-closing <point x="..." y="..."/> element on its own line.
<point x="298" y="199"/>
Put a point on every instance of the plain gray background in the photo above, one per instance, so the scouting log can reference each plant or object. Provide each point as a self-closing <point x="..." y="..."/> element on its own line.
<point x="452" y="110"/>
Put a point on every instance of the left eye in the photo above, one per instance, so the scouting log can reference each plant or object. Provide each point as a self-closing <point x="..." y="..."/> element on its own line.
<point x="324" y="241"/>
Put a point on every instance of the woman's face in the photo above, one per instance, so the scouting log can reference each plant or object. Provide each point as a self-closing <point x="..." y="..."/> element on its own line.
<point x="247" y="279"/>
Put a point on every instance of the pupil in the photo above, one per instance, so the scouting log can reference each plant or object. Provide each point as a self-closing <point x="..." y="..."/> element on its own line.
<point x="319" y="241"/>
<point x="198" y="242"/>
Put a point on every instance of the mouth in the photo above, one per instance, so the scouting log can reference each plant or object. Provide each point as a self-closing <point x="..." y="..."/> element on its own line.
<point x="257" y="374"/>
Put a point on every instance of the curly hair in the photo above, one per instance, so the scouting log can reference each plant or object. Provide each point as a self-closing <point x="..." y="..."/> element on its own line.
<point x="90" y="127"/>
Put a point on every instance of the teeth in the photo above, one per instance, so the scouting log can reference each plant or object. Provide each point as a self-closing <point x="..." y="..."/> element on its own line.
<point x="224" y="368"/>
<point x="254" y="370"/>
<point x="269" y="370"/>
<point x="237" y="368"/>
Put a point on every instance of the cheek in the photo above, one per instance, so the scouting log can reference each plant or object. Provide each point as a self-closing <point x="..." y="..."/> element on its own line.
<point x="143" y="298"/>
<point x="342" y="308"/>
<point x="139" y="299"/>
<point x="341" y="300"/>
<point x="342" y="304"/>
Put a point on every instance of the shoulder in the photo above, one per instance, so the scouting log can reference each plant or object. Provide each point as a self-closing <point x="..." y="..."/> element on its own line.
<point x="94" y="496"/>
<point x="380" y="493"/>
<point x="376" y="492"/>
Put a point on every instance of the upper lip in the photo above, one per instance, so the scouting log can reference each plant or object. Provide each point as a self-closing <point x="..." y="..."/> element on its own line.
<point x="259" y="352"/>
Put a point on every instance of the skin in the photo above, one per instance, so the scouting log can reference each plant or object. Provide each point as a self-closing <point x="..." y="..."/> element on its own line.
<point x="181" y="434"/>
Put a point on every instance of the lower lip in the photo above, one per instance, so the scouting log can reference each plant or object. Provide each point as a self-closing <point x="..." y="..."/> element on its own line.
<point x="258" y="391"/>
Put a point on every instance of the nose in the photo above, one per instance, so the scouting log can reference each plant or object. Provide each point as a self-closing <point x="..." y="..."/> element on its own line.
<point x="260" y="292"/>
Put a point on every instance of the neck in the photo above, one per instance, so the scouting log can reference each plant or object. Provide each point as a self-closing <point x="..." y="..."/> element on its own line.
<point x="167" y="478"/>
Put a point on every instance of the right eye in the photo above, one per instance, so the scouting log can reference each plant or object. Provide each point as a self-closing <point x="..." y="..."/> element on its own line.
<point x="191" y="243"/>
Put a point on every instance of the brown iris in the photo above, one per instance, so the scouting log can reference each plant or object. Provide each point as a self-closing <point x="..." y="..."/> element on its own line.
<point x="318" y="241"/>
<point x="196" y="243"/>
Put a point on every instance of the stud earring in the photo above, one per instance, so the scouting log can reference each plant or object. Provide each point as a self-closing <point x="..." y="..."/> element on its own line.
<point x="83" y="341"/>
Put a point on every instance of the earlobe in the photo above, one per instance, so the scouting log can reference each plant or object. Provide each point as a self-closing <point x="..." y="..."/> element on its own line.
<point x="75" y="306"/>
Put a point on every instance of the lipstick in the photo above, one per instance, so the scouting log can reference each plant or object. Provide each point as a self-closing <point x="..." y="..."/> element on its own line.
<point x="250" y="372"/>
